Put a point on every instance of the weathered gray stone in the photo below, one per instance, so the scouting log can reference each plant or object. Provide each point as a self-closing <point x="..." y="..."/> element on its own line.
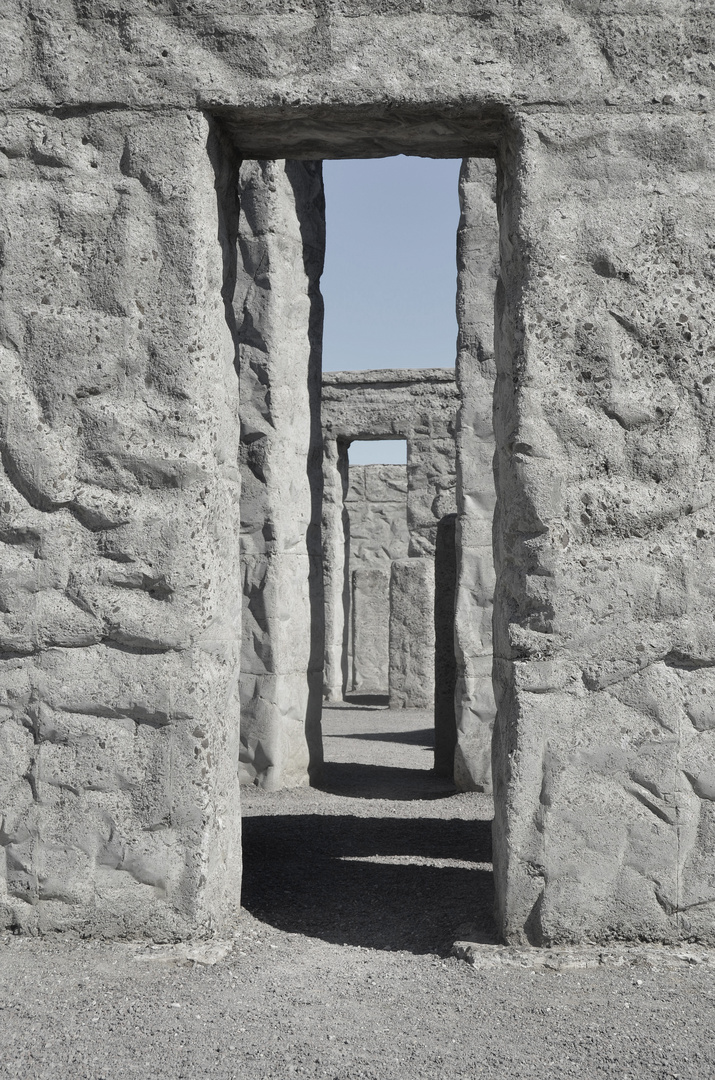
<point x="371" y="630"/>
<point x="376" y="507"/>
<point x="281" y="243"/>
<point x="478" y="267"/>
<point x="119" y="431"/>
<point x="336" y="569"/>
<point x="119" y="621"/>
<point x="418" y="405"/>
<point x="604" y="632"/>
<point x="445" y="663"/>
<point x="412" y="634"/>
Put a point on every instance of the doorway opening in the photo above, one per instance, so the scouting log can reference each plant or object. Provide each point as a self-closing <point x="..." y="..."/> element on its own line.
<point x="371" y="756"/>
<point x="377" y="537"/>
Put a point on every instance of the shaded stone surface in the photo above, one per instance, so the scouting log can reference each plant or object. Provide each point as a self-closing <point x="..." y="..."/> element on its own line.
<point x="412" y="634"/>
<point x="119" y="424"/>
<point x="445" y="664"/>
<point x="370" y="630"/>
<point x="376" y="506"/>
<point x="281" y="243"/>
<point x="119" y="488"/>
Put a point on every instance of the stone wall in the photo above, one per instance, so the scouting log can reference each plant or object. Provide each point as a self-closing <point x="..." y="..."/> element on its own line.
<point x="478" y="268"/>
<point x="419" y="406"/>
<point x="280" y="258"/>
<point x="119" y="620"/>
<point x="604" y="631"/>
<point x="370" y="630"/>
<point x="376" y="505"/>
<point x="119" y="424"/>
<point x="411" y="676"/>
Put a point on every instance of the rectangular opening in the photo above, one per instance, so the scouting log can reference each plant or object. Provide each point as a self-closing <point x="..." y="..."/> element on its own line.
<point x="389" y="280"/>
<point x="378" y="452"/>
<point x="395" y="383"/>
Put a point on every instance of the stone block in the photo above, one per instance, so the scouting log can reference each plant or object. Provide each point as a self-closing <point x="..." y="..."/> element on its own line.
<point x="281" y="240"/>
<point x="604" y="538"/>
<point x="478" y="267"/>
<point x="119" y="498"/>
<point x="445" y="663"/>
<point x="412" y="634"/>
<point x="371" y="630"/>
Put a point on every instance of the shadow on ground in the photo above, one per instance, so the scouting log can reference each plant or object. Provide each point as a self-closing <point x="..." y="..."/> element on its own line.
<point x="309" y="874"/>
<point x="425" y="737"/>
<point x="359" y="781"/>
<point x="365" y="701"/>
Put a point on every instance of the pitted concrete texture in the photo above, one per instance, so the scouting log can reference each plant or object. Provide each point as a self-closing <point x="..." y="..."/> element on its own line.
<point x="411" y="676"/>
<point x="419" y="405"/>
<point x="370" y="610"/>
<point x="120" y="420"/>
<point x="478" y="269"/>
<point x="119" y="621"/>
<point x="604" y="631"/>
<point x="376" y="505"/>
<point x="280" y="244"/>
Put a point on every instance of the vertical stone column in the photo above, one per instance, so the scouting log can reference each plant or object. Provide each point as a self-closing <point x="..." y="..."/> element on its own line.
<point x="445" y="663"/>
<point x="478" y="264"/>
<point x="119" y="494"/>
<point x="431" y="480"/>
<point x="604" y="631"/>
<point x="281" y="239"/>
<point x="336" y="556"/>
<point x="370" y="610"/>
<point x="412" y="634"/>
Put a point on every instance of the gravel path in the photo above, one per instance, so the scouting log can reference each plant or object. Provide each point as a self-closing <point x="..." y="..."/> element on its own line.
<point x="340" y="967"/>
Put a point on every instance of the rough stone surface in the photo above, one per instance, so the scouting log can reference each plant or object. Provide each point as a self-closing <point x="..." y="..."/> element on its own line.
<point x="445" y="665"/>
<point x="600" y="119"/>
<point x="604" y="631"/>
<point x="119" y="621"/>
<point x="370" y="612"/>
<point x="336" y="570"/>
<point x="411" y="676"/>
<point x="478" y="267"/>
<point x="416" y="405"/>
<point x="376" y="505"/>
<point x="281" y="242"/>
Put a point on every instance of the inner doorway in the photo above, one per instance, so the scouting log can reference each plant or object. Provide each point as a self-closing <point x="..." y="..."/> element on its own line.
<point x="378" y="768"/>
<point x="389" y="287"/>
<point x="378" y="536"/>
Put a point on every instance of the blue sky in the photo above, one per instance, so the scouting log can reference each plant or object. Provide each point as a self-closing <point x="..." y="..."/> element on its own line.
<point x="389" y="282"/>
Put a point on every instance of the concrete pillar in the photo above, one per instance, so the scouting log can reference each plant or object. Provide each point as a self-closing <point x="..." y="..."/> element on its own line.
<point x="477" y="263"/>
<point x="412" y="634"/>
<point x="281" y="238"/>
<point x="605" y="531"/>
<point x="445" y="664"/>
<point x="336" y="555"/>
<point x="119" y="493"/>
<point x="370" y="610"/>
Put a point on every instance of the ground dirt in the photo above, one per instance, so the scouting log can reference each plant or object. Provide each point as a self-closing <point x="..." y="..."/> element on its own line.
<point x="354" y="893"/>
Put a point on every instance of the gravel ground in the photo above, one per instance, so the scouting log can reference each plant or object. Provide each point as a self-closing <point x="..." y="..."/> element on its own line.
<point x="340" y="967"/>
